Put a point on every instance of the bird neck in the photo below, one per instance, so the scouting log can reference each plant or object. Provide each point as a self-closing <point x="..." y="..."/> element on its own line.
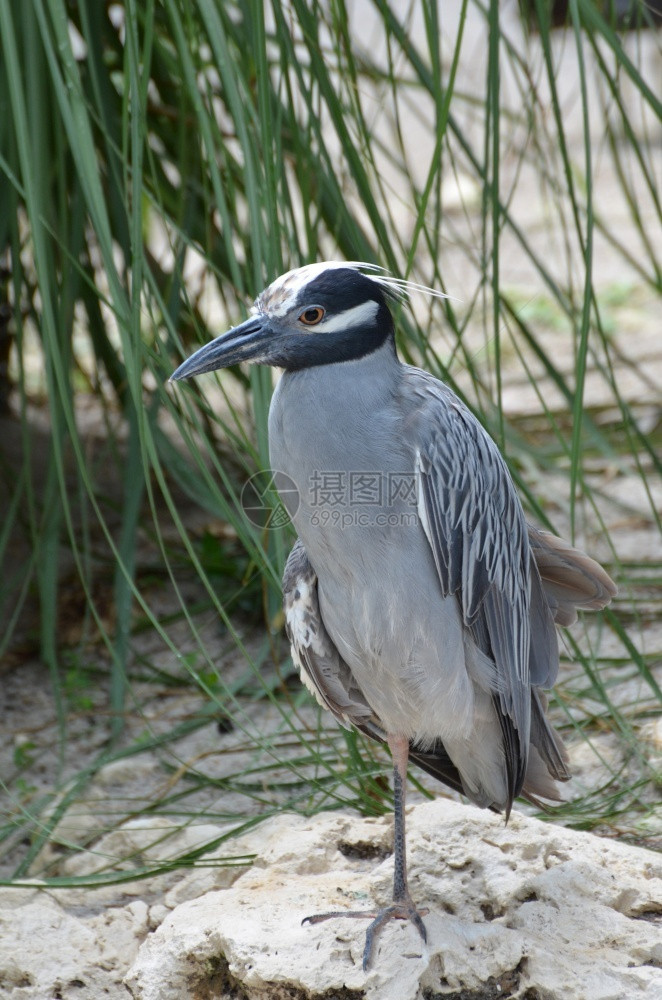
<point x="321" y="416"/>
<point x="343" y="378"/>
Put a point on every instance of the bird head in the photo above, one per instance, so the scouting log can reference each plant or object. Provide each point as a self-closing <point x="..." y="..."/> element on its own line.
<point x="315" y="315"/>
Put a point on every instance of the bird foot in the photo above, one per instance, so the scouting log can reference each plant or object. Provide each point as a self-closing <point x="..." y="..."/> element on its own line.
<point x="405" y="909"/>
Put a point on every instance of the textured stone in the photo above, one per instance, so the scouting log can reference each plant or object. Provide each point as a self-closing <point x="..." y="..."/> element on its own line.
<point x="528" y="910"/>
<point x="46" y="951"/>
<point x="524" y="910"/>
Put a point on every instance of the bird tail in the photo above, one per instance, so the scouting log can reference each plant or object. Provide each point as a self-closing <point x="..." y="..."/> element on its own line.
<point x="570" y="578"/>
<point x="548" y="760"/>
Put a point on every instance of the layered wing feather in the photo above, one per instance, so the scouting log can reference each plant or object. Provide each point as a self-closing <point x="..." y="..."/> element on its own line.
<point x="513" y="581"/>
<point x="476" y="529"/>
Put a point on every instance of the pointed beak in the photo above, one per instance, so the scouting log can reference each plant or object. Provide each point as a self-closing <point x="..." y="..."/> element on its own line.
<point x="247" y="342"/>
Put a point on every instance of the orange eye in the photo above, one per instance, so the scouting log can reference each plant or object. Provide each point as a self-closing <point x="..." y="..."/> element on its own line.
<point x="312" y="315"/>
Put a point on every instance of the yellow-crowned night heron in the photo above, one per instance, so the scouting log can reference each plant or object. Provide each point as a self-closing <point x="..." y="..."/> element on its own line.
<point x="420" y="605"/>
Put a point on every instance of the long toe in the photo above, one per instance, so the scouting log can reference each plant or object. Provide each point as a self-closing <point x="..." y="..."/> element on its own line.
<point x="396" y="911"/>
<point x="318" y="918"/>
<point x="405" y="910"/>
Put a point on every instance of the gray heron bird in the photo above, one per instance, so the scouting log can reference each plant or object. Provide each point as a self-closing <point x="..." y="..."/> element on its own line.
<point x="420" y="605"/>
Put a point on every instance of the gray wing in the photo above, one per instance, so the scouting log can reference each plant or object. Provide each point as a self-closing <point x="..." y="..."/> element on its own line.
<point x="513" y="581"/>
<point x="475" y="525"/>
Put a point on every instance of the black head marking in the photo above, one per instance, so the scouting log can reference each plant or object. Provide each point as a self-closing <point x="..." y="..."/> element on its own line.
<point x="339" y="291"/>
<point x="341" y="288"/>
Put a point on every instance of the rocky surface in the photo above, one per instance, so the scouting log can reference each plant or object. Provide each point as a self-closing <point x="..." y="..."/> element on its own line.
<point x="527" y="910"/>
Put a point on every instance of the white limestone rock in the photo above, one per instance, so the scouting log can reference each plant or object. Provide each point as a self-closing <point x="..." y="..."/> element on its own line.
<point x="46" y="951"/>
<point x="528" y="910"/>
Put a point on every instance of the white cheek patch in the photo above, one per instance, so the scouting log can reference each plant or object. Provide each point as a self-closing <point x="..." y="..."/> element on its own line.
<point x="359" y="315"/>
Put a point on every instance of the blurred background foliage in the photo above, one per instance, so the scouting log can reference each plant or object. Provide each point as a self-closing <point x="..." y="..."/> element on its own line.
<point x="161" y="162"/>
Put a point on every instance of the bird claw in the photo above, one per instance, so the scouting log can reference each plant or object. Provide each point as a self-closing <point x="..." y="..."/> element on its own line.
<point x="403" y="910"/>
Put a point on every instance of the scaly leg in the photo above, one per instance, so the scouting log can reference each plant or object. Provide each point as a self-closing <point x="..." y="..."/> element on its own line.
<point x="402" y="907"/>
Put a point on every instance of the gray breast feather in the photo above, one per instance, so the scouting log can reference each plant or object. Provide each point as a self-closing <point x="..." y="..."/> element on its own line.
<point x="327" y="676"/>
<point x="322" y="669"/>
